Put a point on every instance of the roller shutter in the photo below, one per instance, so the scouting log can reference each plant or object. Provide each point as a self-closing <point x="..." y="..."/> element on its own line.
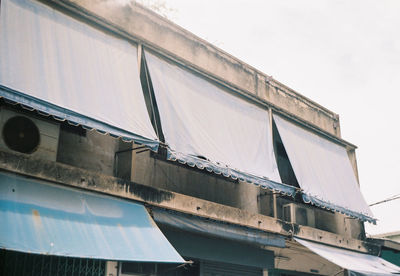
<point x="209" y="268"/>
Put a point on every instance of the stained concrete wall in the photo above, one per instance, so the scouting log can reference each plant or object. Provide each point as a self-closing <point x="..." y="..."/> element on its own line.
<point x="55" y="172"/>
<point x="325" y="220"/>
<point x="178" y="178"/>
<point x="123" y="160"/>
<point x="92" y="151"/>
<point x="96" y="152"/>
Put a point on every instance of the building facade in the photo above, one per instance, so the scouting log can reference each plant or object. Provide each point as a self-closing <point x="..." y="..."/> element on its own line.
<point x="132" y="147"/>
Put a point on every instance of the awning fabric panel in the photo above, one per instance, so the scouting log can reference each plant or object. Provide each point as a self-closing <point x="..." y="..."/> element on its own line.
<point x="206" y="248"/>
<point x="216" y="229"/>
<point x="63" y="67"/>
<point x="43" y="218"/>
<point x="323" y="170"/>
<point x="361" y="264"/>
<point x="207" y="127"/>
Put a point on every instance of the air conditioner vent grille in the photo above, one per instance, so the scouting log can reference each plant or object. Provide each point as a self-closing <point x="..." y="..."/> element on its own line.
<point x="21" y="134"/>
<point x="28" y="134"/>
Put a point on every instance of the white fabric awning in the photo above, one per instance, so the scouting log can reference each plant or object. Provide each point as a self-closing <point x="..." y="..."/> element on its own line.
<point x="323" y="170"/>
<point x="358" y="263"/>
<point x="206" y="126"/>
<point x="65" y="68"/>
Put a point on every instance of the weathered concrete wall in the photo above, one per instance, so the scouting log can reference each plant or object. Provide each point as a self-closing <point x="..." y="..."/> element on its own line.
<point x="155" y="32"/>
<point x="339" y="224"/>
<point x="123" y="160"/>
<point x="193" y="182"/>
<point x="96" y="182"/>
<point x="325" y="220"/>
<point x="266" y="203"/>
<point x="173" y="177"/>
<point x="96" y="152"/>
<point x="93" y="151"/>
<point x="349" y="227"/>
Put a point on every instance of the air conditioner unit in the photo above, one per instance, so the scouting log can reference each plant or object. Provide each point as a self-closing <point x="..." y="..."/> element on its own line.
<point x="299" y="214"/>
<point x="28" y="134"/>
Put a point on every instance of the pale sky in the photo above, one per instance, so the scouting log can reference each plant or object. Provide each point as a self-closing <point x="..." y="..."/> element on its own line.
<point x="343" y="54"/>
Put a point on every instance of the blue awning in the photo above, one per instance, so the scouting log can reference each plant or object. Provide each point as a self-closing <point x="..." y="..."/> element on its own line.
<point x="43" y="218"/>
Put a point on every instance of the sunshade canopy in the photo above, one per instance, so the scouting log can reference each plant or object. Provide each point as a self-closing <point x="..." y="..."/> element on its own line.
<point x="62" y="67"/>
<point x="323" y="170"/>
<point x="43" y="218"/>
<point x="356" y="263"/>
<point x="207" y="126"/>
<point x="204" y="226"/>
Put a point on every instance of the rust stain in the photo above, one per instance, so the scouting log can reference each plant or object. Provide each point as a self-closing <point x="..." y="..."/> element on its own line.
<point x="36" y="218"/>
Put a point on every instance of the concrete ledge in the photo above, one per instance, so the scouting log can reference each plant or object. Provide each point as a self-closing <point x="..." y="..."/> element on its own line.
<point x="328" y="238"/>
<point x="88" y="180"/>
